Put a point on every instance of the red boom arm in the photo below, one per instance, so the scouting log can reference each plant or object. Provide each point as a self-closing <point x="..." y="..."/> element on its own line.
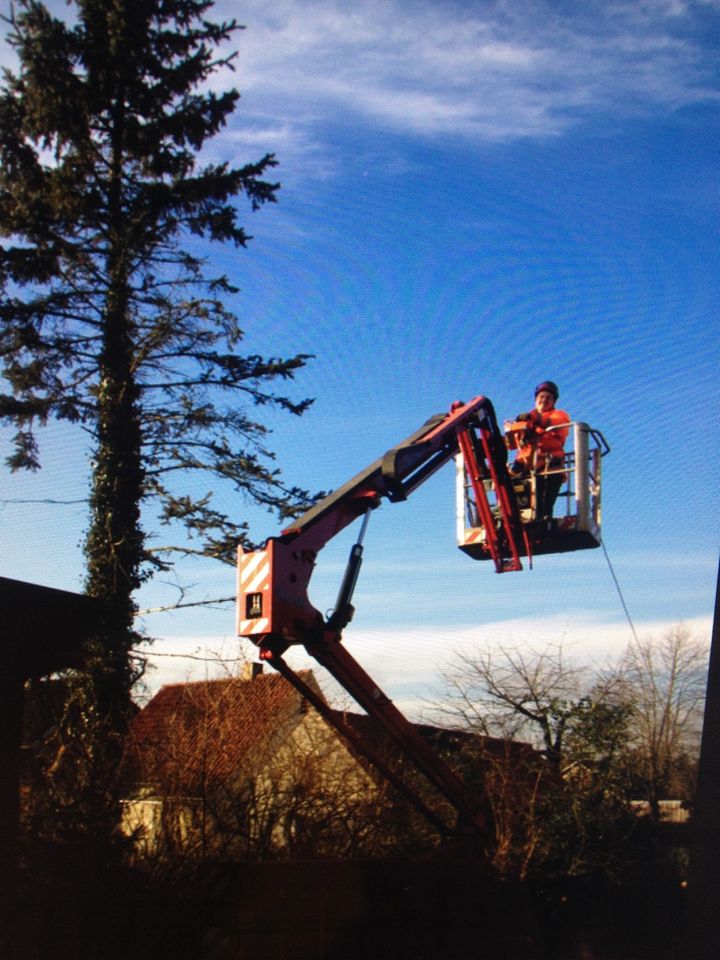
<point x="273" y="607"/>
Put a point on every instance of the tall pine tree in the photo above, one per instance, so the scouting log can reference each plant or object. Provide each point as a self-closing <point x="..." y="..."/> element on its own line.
<point x="109" y="316"/>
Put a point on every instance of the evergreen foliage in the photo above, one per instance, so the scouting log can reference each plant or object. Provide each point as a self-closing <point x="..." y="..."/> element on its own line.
<point x="110" y="317"/>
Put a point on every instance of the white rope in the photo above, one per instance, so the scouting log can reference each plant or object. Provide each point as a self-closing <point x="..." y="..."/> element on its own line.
<point x="620" y="593"/>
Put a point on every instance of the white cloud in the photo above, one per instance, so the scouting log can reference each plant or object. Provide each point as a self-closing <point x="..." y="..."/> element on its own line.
<point x="491" y="70"/>
<point x="408" y="664"/>
<point x="488" y="71"/>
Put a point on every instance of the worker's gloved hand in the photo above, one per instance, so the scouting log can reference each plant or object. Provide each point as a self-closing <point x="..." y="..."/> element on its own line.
<point x="523" y="417"/>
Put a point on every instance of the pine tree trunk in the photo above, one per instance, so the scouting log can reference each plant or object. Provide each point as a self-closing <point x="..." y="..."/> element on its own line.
<point x="114" y="546"/>
<point x="115" y="539"/>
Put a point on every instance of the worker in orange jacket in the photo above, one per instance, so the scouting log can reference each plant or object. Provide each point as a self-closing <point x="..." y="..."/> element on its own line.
<point x="542" y="449"/>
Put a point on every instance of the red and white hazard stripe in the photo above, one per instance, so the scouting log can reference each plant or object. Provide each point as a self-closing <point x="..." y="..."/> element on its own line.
<point x="254" y="577"/>
<point x="474" y="535"/>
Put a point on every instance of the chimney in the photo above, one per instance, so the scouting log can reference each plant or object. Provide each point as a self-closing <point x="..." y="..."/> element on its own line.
<point x="251" y="670"/>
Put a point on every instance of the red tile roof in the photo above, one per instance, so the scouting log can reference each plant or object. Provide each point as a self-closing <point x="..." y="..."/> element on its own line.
<point x="192" y="734"/>
<point x="444" y="740"/>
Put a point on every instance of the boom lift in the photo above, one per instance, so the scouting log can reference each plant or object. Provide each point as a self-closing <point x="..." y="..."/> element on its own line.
<point x="498" y="523"/>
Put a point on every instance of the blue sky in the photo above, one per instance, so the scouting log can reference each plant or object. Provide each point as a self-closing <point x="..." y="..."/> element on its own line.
<point x="476" y="197"/>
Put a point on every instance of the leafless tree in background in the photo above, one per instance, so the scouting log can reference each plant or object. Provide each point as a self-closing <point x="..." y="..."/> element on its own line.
<point x="665" y="678"/>
<point x="567" y="809"/>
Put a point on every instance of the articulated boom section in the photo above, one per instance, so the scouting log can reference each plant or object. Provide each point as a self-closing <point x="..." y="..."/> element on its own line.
<point x="274" y="609"/>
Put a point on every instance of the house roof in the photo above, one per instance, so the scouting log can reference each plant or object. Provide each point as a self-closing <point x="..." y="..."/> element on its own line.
<point x="445" y="740"/>
<point x="195" y="733"/>
<point x="44" y="629"/>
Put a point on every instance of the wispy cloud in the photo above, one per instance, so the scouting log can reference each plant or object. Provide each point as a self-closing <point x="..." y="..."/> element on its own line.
<point x="491" y="70"/>
<point x="409" y="663"/>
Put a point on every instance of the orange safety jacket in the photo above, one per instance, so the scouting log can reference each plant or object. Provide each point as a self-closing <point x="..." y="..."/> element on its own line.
<point x="549" y="445"/>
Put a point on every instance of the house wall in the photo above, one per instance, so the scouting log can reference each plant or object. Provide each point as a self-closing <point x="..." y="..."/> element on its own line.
<point x="320" y="790"/>
<point x="308" y="793"/>
<point x="150" y="821"/>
